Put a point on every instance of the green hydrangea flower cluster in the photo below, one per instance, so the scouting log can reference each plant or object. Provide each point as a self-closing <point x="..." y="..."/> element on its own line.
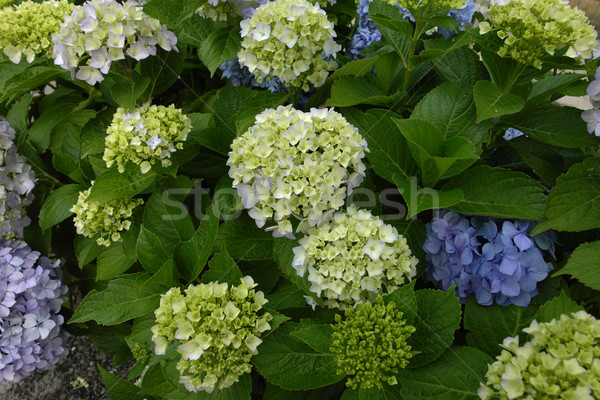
<point x="5" y="3"/>
<point x="291" y="40"/>
<point x="421" y="4"/>
<point x="532" y="28"/>
<point x="292" y="163"/>
<point x="105" y="220"/>
<point x="371" y="344"/>
<point x="145" y="135"/>
<point x="353" y="259"/>
<point x="561" y="361"/>
<point x="218" y="329"/>
<point x="27" y="29"/>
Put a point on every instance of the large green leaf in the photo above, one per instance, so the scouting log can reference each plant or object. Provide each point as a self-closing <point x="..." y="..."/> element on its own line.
<point x="491" y="102"/>
<point x="438" y="317"/>
<point x="255" y="105"/>
<point x="286" y="295"/>
<point x="389" y="153"/>
<point x="489" y="325"/>
<point x="456" y="375"/>
<point x="29" y="79"/>
<point x="318" y="336"/>
<point x="461" y="64"/>
<point x="348" y="91"/>
<point x="244" y="240"/>
<point x="56" y="206"/>
<point x="119" y="389"/>
<point x="220" y="46"/>
<point x="164" y="69"/>
<point x="126" y="94"/>
<point x="113" y="184"/>
<point x="498" y="192"/>
<point x="191" y="255"/>
<point x="438" y="157"/>
<point x="126" y="297"/>
<point x="574" y="203"/>
<point x="546" y="87"/>
<point x="421" y="199"/>
<point x="450" y="107"/>
<point x="558" y="126"/>
<point x="289" y="363"/>
<point x="561" y="304"/>
<point x="584" y="264"/>
<point x="150" y="251"/>
<point x="406" y="301"/>
<point x="385" y="393"/>
<point x="223" y="269"/>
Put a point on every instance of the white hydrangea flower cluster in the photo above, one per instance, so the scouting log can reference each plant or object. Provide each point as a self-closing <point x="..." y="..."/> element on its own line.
<point x="296" y="164"/>
<point x="289" y="39"/>
<point x="103" y="31"/>
<point x="145" y="135"/>
<point x="353" y="259"/>
<point x="218" y="330"/>
<point x="17" y="180"/>
<point x="105" y="221"/>
<point x="27" y="29"/>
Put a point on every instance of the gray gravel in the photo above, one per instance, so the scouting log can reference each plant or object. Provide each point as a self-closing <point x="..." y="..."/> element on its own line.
<point x="57" y="382"/>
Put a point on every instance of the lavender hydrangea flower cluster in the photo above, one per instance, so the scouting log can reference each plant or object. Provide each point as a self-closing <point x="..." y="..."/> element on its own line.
<point x="592" y="116"/>
<point x="367" y="33"/>
<point x="17" y="180"/>
<point x="240" y="75"/>
<point x="31" y="295"/>
<point x="496" y="260"/>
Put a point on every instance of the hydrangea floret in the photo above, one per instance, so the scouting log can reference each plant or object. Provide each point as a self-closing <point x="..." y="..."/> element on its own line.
<point x="145" y="135"/>
<point x="560" y="361"/>
<point x="592" y="116"/>
<point x="531" y="29"/>
<point x="218" y="330"/>
<point x="353" y="259"/>
<point x="493" y="259"/>
<point x="370" y="344"/>
<point x="26" y="29"/>
<point x="240" y="75"/>
<point x="105" y="221"/>
<point x="31" y="295"/>
<point x="17" y="181"/>
<point x="103" y="31"/>
<point x="289" y="39"/>
<point x="296" y="164"/>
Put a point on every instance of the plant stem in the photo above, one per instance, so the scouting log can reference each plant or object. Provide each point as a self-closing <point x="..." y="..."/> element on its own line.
<point x="411" y="53"/>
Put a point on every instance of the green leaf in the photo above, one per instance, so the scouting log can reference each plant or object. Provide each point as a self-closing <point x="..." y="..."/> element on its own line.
<point x="491" y="102"/>
<point x="17" y="117"/>
<point x="498" y="192"/>
<point x="56" y="206"/>
<point x="574" y="203"/>
<point x="171" y="12"/>
<point x="450" y="107"/>
<point x="113" y="184"/>
<point x="318" y="336"/>
<point x="584" y="264"/>
<point x="489" y="325"/>
<point x="163" y="70"/>
<point x="191" y="256"/>
<point x="462" y="65"/>
<point x="547" y="161"/>
<point x="127" y="94"/>
<point x="125" y="298"/>
<point x="546" y="87"/>
<point x="348" y="91"/>
<point x="116" y="259"/>
<point x="406" y="301"/>
<point x="389" y="153"/>
<point x="289" y="363"/>
<point x="86" y="249"/>
<point x="169" y="220"/>
<point x="437" y="156"/>
<point x="220" y="46"/>
<point x="30" y="79"/>
<point x="456" y="375"/>
<point x="196" y="29"/>
<point x="244" y="240"/>
<point x="93" y="134"/>
<point x="385" y="393"/>
<point x="438" y="318"/>
<point x="286" y="295"/>
<point x="223" y="269"/>
<point x="119" y="389"/>
<point x="41" y="131"/>
<point x="553" y="309"/>
<point x="421" y="199"/>
<point x="558" y="126"/>
<point x="355" y="68"/>
<point x="256" y="104"/>
<point x="150" y="251"/>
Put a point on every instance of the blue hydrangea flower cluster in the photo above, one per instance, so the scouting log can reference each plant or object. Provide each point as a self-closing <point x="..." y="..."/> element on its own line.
<point x="367" y="33"/>
<point x="240" y="75"/>
<point x="592" y="116"/>
<point x="31" y="295"/>
<point x="496" y="260"/>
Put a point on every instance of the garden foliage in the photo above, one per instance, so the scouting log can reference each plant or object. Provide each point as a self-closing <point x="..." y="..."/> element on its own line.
<point x="303" y="200"/>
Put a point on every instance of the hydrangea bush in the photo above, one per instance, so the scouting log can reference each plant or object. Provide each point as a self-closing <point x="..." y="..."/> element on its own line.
<point x="303" y="199"/>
